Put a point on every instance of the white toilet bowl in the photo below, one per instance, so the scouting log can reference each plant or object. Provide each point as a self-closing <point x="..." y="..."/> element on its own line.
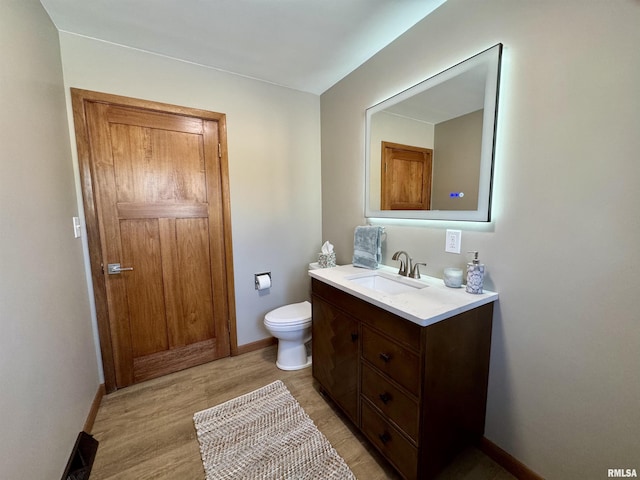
<point x="291" y="325"/>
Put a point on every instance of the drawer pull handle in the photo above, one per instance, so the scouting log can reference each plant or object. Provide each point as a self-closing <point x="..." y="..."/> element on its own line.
<point x="384" y="438"/>
<point x="385" y="357"/>
<point x="354" y="337"/>
<point x="385" y="397"/>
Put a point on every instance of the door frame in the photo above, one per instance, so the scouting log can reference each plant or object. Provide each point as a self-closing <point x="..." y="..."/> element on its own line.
<point x="79" y="98"/>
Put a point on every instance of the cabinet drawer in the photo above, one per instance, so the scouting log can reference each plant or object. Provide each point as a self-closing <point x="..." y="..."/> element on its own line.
<point x="391" y="401"/>
<point x="399" y="363"/>
<point x="390" y="442"/>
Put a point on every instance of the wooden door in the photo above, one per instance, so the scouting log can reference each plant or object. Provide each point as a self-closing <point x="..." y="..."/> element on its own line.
<point x="406" y="177"/>
<point x="156" y="181"/>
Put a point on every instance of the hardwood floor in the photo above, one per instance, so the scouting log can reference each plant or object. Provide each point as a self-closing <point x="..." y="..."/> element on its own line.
<point x="146" y="431"/>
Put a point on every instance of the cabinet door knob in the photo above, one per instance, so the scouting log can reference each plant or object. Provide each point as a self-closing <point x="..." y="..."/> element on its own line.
<point x="384" y="437"/>
<point x="385" y="397"/>
<point x="385" y="357"/>
<point x="354" y="337"/>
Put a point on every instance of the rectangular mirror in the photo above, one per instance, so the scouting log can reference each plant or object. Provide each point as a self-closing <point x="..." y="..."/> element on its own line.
<point x="429" y="149"/>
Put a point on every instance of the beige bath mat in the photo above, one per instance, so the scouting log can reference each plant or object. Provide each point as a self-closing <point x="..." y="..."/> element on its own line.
<point x="265" y="434"/>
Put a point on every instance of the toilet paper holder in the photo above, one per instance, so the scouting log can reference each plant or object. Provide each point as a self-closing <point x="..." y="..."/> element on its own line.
<point x="256" y="281"/>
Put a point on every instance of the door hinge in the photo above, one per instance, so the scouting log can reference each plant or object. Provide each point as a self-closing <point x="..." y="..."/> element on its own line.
<point x="219" y="151"/>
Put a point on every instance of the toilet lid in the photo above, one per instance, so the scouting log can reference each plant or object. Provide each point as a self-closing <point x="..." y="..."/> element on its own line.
<point x="289" y="314"/>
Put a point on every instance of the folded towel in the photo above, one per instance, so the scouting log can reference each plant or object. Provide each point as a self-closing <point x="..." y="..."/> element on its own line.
<point x="367" y="247"/>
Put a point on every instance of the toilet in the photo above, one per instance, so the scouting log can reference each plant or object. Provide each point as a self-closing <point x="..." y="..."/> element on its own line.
<point x="291" y="325"/>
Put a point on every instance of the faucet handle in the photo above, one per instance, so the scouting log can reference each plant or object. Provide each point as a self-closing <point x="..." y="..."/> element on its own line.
<point x="415" y="271"/>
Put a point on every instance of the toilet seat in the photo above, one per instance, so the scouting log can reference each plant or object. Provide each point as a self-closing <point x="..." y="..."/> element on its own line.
<point x="294" y="314"/>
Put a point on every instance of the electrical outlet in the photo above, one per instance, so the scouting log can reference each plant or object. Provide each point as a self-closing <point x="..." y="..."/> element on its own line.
<point x="453" y="240"/>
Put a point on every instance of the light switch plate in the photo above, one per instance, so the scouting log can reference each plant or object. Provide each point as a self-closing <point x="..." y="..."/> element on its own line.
<point x="77" y="230"/>
<point x="453" y="240"/>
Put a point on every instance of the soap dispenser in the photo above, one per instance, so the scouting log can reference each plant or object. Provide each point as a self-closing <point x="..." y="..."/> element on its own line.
<point x="475" y="275"/>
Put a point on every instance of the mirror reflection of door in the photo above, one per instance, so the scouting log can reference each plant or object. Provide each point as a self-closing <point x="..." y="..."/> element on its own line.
<point x="406" y="177"/>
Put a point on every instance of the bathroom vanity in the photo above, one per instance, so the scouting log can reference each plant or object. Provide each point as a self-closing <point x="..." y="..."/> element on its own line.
<point x="408" y="366"/>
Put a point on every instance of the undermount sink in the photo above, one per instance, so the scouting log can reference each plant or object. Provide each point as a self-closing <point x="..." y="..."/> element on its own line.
<point x="385" y="283"/>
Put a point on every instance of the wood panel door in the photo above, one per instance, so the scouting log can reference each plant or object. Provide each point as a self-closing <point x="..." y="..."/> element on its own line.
<point x="406" y="177"/>
<point x="155" y="188"/>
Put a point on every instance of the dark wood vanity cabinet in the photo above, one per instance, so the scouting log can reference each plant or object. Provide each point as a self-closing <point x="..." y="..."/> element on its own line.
<point x="417" y="393"/>
<point x="335" y="339"/>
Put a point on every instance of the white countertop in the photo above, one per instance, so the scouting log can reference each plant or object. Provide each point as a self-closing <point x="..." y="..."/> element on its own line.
<point x="424" y="306"/>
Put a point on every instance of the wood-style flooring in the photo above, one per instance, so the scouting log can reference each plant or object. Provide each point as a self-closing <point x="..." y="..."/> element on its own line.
<point x="146" y="431"/>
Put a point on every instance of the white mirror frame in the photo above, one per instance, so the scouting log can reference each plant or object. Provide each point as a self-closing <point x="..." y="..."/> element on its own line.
<point x="491" y="57"/>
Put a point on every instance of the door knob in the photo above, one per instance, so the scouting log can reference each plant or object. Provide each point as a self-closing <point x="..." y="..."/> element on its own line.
<point x="115" y="268"/>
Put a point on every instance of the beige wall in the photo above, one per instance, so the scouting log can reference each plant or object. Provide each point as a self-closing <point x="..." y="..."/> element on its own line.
<point x="562" y="249"/>
<point x="274" y="161"/>
<point x="456" y="162"/>
<point x="48" y="368"/>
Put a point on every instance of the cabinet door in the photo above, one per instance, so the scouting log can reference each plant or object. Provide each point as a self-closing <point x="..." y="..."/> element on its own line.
<point x="335" y="340"/>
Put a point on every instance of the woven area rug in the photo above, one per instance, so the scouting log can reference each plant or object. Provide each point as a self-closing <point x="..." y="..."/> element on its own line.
<point x="265" y="434"/>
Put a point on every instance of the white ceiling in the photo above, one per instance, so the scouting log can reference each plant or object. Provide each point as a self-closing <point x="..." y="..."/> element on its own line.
<point x="307" y="45"/>
<point x="436" y="102"/>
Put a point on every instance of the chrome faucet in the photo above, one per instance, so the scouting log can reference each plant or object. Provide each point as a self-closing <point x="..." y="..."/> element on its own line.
<point x="405" y="265"/>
